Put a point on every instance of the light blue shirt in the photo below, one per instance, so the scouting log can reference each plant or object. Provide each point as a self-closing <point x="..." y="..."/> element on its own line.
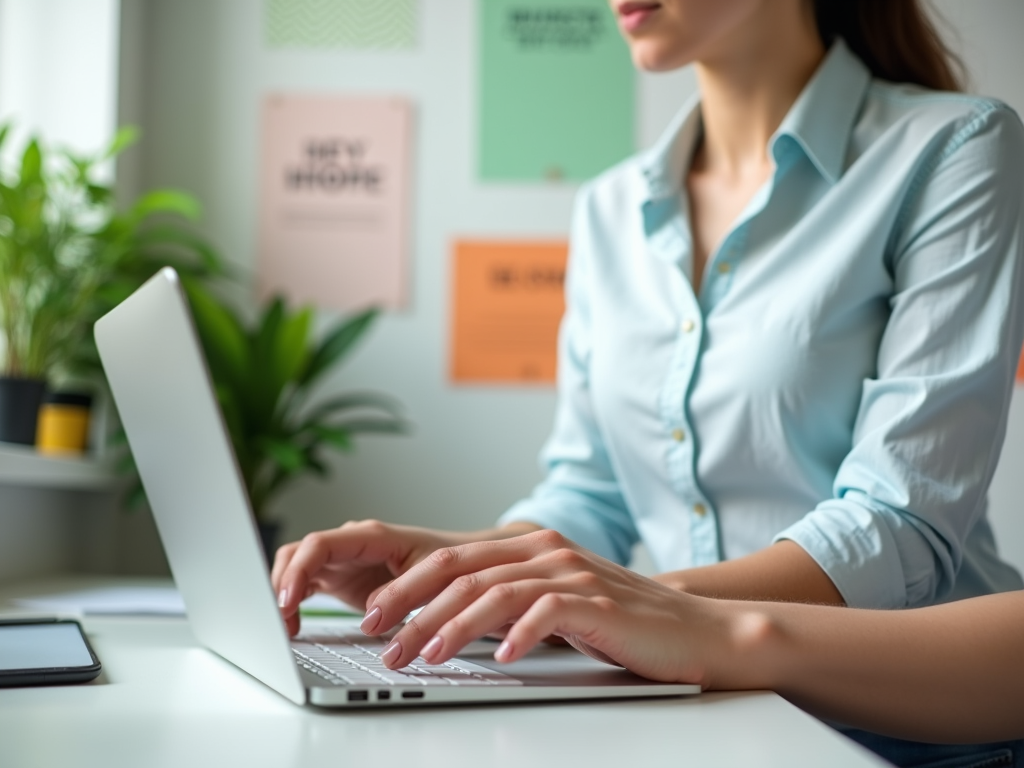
<point x="843" y="376"/>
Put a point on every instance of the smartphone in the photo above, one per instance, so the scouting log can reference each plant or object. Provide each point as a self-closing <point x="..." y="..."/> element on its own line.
<point x="45" y="652"/>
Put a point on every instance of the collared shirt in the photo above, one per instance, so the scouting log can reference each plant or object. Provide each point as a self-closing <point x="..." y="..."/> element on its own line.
<point x="842" y="377"/>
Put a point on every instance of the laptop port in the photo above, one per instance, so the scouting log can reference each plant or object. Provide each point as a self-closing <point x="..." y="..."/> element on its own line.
<point x="358" y="695"/>
<point x="412" y="694"/>
<point x="383" y="695"/>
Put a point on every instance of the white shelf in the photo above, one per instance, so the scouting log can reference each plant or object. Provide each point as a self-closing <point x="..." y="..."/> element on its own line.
<point x="23" y="465"/>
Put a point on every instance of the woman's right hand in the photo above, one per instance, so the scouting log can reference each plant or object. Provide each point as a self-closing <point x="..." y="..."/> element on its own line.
<point x="355" y="561"/>
<point x="351" y="562"/>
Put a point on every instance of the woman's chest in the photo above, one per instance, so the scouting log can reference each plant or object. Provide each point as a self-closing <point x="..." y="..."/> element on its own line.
<point x="786" y="329"/>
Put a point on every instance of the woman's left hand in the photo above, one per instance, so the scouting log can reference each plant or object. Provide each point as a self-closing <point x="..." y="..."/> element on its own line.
<point x="542" y="584"/>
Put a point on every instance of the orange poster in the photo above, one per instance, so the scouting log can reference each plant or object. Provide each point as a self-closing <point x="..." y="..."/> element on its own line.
<point x="507" y="304"/>
<point x="334" y="199"/>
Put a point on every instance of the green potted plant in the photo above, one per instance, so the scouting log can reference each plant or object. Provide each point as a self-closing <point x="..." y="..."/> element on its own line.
<point x="66" y="256"/>
<point x="265" y="374"/>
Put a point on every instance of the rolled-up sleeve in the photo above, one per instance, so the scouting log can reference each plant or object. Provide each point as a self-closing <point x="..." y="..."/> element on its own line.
<point x="931" y="424"/>
<point x="580" y="496"/>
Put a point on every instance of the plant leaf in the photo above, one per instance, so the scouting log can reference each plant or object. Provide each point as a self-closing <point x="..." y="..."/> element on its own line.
<point x="135" y="497"/>
<point x="336" y="437"/>
<point x="31" y="163"/>
<point x="126" y="136"/>
<point x="316" y="466"/>
<point x="221" y="333"/>
<point x="166" y="201"/>
<point x="265" y="382"/>
<point x="351" y="401"/>
<point x="99" y="195"/>
<point x="336" y="344"/>
<point x="291" y="346"/>
<point x="369" y="424"/>
<point x="288" y="456"/>
<point x="273" y="316"/>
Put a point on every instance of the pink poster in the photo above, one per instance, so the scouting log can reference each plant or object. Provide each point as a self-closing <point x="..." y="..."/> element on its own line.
<point x="334" y="197"/>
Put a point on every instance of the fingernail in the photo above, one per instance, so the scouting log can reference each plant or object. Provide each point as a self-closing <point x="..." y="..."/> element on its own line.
<point x="432" y="648"/>
<point x="391" y="653"/>
<point x="282" y="598"/>
<point x="504" y="651"/>
<point x="370" y="621"/>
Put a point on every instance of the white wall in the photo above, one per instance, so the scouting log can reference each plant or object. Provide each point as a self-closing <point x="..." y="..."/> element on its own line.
<point x="200" y="69"/>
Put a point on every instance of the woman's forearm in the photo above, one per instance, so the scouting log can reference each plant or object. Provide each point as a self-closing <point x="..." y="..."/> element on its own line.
<point x="948" y="673"/>
<point x="783" y="571"/>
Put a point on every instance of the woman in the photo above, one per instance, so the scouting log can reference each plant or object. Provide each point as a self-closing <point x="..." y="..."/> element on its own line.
<point x="786" y="361"/>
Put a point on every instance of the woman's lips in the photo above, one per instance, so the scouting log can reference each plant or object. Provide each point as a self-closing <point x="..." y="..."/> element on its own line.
<point x="632" y="15"/>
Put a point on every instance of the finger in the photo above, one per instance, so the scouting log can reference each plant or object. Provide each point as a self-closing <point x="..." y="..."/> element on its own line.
<point x="372" y="597"/>
<point x="292" y="624"/>
<point x="593" y="620"/>
<point x="281" y="559"/>
<point x="478" y="603"/>
<point x="368" y="542"/>
<point x="428" y="578"/>
<point x="500" y="606"/>
<point x="452" y="601"/>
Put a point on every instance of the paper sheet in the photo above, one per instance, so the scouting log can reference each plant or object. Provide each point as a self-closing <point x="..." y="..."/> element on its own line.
<point x="340" y="23"/>
<point x="556" y="90"/>
<point x="334" y="200"/>
<point x="507" y="304"/>
<point x="151" y="601"/>
<point x="154" y="601"/>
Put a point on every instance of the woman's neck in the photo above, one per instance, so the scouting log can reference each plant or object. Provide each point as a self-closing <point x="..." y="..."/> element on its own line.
<point x="746" y="93"/>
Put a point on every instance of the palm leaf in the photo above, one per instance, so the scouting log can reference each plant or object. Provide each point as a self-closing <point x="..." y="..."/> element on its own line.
<point x="221" y="334"/>
<point x="124" y="138"/>
<point x="352" y="401"/>
<point x="336" y="344"/>
<point x="369" y="424"/>
<point x="287" y="456"/>
<point x="31" y="163"/>
<point x="166" y="201"/>
<point x="291" y="346"/>
<point x="336" y="437"/>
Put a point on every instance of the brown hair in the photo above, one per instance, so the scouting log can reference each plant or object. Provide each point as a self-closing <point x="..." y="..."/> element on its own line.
<point x="894" y="38"/>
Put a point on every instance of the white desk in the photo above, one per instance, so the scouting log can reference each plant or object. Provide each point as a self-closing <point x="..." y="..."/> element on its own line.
<point x="163" y="701"/>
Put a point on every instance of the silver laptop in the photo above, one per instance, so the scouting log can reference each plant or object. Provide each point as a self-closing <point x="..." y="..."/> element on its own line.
<point x="151" y="354"/>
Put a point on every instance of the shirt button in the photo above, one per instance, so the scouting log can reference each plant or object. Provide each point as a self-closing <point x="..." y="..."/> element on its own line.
<point x="700" y="510"/>
<point x="688" y="325"/>
<point x="678" y="435"/>
<point x="724" y="268"/>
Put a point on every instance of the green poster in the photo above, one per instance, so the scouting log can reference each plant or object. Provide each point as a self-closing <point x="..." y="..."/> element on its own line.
<point x="340" y="23"/>
<point x="556" y="90"/>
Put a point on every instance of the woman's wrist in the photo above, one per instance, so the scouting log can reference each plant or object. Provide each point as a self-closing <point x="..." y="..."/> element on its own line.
<point x="673" y="580"/>
<point x="746" y="648"/>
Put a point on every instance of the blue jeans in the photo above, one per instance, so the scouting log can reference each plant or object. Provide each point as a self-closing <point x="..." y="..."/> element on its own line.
<point x="916" y="754"/>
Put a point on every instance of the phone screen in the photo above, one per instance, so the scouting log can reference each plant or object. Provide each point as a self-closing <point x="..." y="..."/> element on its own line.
<point x="42" y="646"/>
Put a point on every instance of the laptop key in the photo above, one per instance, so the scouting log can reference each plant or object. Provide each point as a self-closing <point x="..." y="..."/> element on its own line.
<point x="359" y="664"/>
<point x="430" y="680"/>
<point x="464" y="681"/>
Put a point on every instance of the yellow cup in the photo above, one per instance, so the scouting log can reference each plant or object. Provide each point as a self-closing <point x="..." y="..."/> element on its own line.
<point x="63" y="424"/>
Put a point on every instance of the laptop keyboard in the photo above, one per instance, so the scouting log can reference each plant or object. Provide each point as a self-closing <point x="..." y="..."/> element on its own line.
<point x="356" y="661"/>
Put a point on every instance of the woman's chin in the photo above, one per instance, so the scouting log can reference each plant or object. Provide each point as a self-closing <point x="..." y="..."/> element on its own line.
<point x="654" y="56"/>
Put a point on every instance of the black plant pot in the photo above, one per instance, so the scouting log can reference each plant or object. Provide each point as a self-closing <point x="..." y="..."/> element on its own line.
<point x="269" y="533"/>
<point x="19" y="409"/>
